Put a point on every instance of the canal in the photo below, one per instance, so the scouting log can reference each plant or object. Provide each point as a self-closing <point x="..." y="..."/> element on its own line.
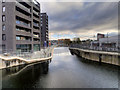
<point x="65" y="71"/>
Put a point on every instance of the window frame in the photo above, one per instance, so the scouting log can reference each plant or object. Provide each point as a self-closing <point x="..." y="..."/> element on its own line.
<point x="3" y="18"/>
<point x="3" y="9"/>
<point x="3" y="27"/>
<point x="3" y="37"/>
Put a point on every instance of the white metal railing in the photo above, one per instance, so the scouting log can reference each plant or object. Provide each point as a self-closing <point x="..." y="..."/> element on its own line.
<point x="28" y="55"/>
<point x="19" y="58"/>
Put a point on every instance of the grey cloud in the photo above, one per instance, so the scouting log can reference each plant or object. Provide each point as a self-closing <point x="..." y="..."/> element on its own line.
<point x="91" y="16"/>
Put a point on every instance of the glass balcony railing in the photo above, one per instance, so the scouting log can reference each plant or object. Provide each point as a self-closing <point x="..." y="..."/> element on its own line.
<point x="23" y="38"/>
<point x="22" y="23"/>
<point x="36" y="36"/>
<point x="36" y="24"/>
<point x="35" y="12"/>
<point x="19" y="4"/>
<point x="23" y="30"/>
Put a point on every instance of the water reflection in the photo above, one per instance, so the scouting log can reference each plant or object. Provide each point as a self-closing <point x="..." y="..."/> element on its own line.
<point x="65" y="71"/>
<point x="12" y="78"/>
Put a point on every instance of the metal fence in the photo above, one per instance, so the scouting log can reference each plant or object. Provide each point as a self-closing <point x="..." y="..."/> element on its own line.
<point x="43" y="53"/>
<point x="88" y="47"/>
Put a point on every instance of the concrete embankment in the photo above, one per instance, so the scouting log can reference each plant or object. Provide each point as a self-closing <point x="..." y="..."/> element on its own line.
<point x="99" y="56"/>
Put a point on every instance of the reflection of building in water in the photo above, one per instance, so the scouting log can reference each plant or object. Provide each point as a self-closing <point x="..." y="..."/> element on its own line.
<point x="42" y="67"/>
<point x="106" y="43"/>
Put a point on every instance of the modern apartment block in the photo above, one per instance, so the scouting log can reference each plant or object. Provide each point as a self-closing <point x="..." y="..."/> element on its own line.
<point x="21" y="26"/>
<point x="44" y="30"/>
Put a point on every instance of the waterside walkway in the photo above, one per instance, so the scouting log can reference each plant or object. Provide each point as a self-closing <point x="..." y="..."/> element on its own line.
<point x="28" y="58"/>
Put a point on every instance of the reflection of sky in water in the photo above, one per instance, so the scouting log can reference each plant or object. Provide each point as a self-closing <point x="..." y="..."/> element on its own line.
<point x="62" y="54"/>
<point x="67" y="71"/>
<point x="61" y="51"/>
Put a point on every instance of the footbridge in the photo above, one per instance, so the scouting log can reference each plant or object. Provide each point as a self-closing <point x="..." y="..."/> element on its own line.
<point x="8" y="60"/>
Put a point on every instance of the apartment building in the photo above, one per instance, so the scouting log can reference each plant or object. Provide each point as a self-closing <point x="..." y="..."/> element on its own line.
<point x="44" y="30"/>
<point x="21" y="26"/>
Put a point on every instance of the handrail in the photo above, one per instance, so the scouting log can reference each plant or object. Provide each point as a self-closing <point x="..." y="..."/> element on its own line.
<point x="35" y="57"/>
<point x="39" y="55"/>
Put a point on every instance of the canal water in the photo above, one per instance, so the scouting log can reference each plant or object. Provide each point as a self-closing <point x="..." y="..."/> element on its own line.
<point x="65" y="71"/>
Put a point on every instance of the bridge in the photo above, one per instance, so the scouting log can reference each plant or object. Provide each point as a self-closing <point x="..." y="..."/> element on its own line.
<point x="12" y="60"/>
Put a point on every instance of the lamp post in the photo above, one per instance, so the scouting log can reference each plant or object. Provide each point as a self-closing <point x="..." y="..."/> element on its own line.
<point x="107" y="41"/>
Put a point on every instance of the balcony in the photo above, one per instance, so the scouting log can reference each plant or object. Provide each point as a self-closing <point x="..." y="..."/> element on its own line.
<point x="23" y="15"/>
<point x="36" y="41"/>
<point x="23" y="23"/>
<point x="35" y="24"/>
<point x="23" y="39"/>
<point x="37" y="13"/>
<point x="20" y="5"/>
<point x="36" y="6"/>
<point x="36" y="36"/>
<point x="27" y="1"/>
<point x="22" y="32"/>
<point x="36" y="30"/>
<point x="36" y="19"/>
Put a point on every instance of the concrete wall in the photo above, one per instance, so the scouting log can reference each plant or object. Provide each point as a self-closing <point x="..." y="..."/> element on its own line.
<point x="102" y="57"/>
<point x="10" y="26"/>
<point x="0" y="27"/>
<point x="0" y="42"/>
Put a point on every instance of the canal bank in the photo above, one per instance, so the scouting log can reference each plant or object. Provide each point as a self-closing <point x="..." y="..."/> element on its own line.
<point x="65" y="71"/>
<point x="25" y="58"/>
<point x="99" y="56"/>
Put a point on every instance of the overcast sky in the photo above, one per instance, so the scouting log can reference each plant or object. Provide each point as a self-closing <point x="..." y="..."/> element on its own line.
<point x="81" y="19"/>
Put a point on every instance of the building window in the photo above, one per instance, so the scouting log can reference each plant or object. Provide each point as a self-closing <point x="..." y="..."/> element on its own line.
<point x="17" y="29"/>
<point x="17" y="38"/>
<point x="3" y="37"/>
<point x="3" y="9"/>
<point x="3" y="27"/>
<point x="3" y="18"/>
<point x="17" y="22"/>
<point x="3" y="47"/>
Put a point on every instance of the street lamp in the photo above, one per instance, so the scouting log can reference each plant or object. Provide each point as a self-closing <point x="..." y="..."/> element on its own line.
<point x="107" y="41"/>
<point x="107" y="37"/>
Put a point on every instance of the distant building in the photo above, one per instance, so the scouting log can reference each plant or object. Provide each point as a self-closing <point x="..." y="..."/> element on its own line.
<point x="108" y="43"/>
<point x="54" y="42"/>
<point x="63" y="42"/>
<point x="99" y="35"/>
<point x="44" y="30"/>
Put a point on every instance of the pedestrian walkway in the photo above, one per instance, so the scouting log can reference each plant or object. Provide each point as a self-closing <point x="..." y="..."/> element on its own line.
<point x="19" y="59"/>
